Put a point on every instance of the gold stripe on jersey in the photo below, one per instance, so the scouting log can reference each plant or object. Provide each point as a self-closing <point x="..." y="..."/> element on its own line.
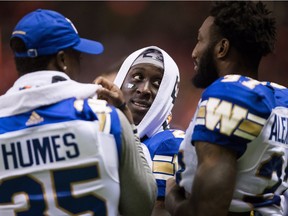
<point x="201" y="112"/>
<point x="250" y="127"/>
<point x="102" y="121"/>
<point x="163" y="167"/>
<point x="229" y="118"/>
<point x="164" y="164"/>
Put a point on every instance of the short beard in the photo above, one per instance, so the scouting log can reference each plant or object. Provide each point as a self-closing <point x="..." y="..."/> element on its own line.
<point x="207" y="71"/>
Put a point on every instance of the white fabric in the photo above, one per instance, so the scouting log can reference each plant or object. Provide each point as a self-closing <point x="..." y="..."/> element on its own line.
<point x="150" y="57"/>
<point x="15" y="101"/>
<point x="162" y="105"/>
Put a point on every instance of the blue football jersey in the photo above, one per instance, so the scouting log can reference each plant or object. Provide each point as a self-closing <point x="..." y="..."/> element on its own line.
<point x="163" y="148"/>
<point x="249" y="118"/>
<point x="232" y="112"/>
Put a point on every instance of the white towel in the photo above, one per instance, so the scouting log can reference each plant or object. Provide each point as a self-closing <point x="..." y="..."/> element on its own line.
<point x="42" y="92"/>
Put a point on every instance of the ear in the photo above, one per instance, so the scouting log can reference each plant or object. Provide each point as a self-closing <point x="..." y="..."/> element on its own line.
<point x="222" y="48"/>
<point x="61" y="61"/>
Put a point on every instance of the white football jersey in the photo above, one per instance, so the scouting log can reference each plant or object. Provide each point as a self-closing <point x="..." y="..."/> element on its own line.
<point x="59" y="167"/>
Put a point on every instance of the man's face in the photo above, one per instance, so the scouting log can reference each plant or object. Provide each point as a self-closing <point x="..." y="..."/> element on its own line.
<point x="203" y="56"/>
<point x="140" y="88"/>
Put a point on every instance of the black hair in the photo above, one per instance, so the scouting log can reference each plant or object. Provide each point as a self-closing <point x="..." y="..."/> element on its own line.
<point x="27" y="64"/>
<point x="247" y="25"/>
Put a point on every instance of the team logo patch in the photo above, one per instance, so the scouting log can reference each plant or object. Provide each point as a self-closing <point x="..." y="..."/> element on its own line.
<point x="34" y="119"/>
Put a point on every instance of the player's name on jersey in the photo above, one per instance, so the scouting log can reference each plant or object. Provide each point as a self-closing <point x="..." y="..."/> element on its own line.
<point x="279" y="129"/>
<point x="38" y="151"/>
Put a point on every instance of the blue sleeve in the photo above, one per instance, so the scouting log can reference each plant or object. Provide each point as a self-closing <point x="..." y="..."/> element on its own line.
<point x="232" y="113"/>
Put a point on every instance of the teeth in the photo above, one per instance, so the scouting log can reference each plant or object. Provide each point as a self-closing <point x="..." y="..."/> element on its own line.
<point x="141" y="105"/>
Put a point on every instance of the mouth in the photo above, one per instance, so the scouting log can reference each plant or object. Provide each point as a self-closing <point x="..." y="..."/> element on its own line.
<point x="140" y="105"/>
<point x="195" y="66"/>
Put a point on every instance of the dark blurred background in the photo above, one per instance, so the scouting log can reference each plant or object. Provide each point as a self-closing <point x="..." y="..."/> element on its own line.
<point x="124" y="27"/>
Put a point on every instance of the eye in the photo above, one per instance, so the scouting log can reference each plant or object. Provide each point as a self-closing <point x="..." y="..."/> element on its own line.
<point x="138" y="77"/>
<point x="157" y="83"/>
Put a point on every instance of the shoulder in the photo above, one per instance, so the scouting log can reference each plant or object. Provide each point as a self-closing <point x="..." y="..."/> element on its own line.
<point x="96" y="105"/>
<point x="232" y="112"/>
<point x="280" y="92"/>
<point x="162" y="136"/>
<point x="235" y="91"/>
<point x="99" y="110"/>
<point x="166" y="142"/>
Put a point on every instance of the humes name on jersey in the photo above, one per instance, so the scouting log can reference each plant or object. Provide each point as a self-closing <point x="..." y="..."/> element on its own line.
<point x="36" y="151"/>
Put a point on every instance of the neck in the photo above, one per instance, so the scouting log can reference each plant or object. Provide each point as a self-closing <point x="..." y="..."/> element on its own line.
<point x="234" y="67"/>
<point x="237" y="63"/>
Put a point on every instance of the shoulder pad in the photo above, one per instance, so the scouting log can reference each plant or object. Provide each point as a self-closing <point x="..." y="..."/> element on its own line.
<point x="97" y="106"/>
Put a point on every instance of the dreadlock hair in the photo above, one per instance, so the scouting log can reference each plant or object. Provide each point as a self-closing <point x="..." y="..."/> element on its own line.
<point x="247" y="26"/>
<point x="28" y="64"/>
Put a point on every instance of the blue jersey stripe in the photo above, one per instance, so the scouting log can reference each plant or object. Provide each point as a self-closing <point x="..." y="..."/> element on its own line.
<point x="55" y="113"/>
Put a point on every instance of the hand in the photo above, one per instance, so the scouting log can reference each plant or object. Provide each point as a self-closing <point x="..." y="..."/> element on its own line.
<point x="170" y="184"/>
<point x="174" y="197"/>
<point x="109" y="92"/>
<point x="113" y="95"/>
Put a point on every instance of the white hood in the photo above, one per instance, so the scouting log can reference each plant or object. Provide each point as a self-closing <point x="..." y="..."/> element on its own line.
<point x="163" y="103"/>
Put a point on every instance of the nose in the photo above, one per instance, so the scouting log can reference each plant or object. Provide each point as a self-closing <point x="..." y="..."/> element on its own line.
<point x="144" y="88"/>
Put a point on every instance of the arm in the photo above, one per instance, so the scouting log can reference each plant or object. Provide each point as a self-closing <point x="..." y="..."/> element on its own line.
<point x="137" y="183"/>
<point x="174" y="195"/>
<point x="159" y="209"/>
<point x="113" y="95"/>
<point x="214" y="182"/>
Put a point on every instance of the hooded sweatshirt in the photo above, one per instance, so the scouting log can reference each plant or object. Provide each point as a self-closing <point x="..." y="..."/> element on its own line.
<point x="166" y="95"/>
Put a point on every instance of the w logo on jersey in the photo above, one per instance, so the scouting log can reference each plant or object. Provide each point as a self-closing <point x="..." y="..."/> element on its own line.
<point x="229" y="119"/>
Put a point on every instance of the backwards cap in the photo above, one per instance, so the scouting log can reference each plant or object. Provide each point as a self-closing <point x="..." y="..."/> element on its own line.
<point x="150" y="56"/>
<point x="46" y="32"/>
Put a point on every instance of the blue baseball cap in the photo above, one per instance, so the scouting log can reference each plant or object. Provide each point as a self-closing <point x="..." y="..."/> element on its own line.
<point x="46" y="32"/>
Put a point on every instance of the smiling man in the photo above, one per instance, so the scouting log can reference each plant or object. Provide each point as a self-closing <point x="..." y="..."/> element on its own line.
<point x="142" y="82"/>
<point x="149" y="80"/>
